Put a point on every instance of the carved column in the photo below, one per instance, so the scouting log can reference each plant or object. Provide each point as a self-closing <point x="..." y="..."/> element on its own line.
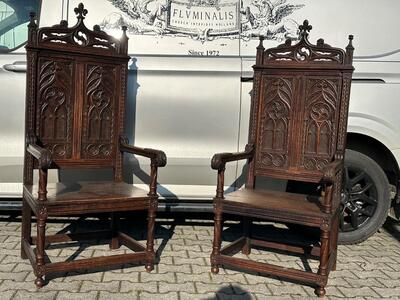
<point x="217" y="237"/>
<point x="26" y="226"/>
<point x="324" y="258"/>
<point x="40" y="243"/>
<point x="150" y="254"/>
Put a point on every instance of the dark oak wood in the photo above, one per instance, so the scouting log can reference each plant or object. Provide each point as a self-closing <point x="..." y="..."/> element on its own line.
<point x="75" y="101"/>
<point x="297" y="131"/>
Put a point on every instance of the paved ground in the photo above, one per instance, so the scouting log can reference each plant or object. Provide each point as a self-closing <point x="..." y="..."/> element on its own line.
<point x="367" y="271"/>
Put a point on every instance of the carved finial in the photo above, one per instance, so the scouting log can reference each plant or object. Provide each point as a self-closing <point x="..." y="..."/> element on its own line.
<point x="350" y="50"/>
<point x="305" y="28"/>
<point x="32" y="27"/>
<point x="80" y="11"/>
<point x="260" y="51"/>
<point x="320" y="42"/>
<point x="261" y="38"/>
<point x="32" y="22"/>
<point x="124" y="40"/>
<point x="288" y="42"/>
<point x="64" y="23"/>
<point x="96" y="27"/>
<point x="350" y="45"/>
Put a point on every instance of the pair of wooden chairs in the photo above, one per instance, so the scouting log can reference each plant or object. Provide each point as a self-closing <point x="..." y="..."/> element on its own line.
<point x="76" y="90"/>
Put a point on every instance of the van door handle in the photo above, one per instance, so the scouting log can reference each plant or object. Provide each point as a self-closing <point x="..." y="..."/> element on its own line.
<point x="16" y="66"/>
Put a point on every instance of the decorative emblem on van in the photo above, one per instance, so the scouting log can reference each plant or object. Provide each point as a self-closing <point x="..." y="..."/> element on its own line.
<point x="203" y="20"/>
<point x="206" y="20"/>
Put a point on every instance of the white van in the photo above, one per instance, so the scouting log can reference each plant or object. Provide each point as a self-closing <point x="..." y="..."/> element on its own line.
<point x="191" y="71"/>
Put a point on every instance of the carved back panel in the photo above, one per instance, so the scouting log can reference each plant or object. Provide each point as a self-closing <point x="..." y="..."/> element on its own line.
<point x="76" y="92"/>
<point x="299" y="108"/>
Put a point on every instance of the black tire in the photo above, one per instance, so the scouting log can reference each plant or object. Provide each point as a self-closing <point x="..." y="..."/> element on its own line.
<point x="366" y="190"/>
<point x="371" y="215"/>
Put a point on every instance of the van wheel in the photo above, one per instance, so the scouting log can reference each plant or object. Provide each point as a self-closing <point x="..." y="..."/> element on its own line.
<point x="365" y="198"/>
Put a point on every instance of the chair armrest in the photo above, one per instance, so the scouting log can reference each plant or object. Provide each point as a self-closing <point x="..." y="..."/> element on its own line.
<point x="42" y="155"/>
<point x="220" y="159"/>
<point x="157" y="157"/>
<point x="330" y="171"/>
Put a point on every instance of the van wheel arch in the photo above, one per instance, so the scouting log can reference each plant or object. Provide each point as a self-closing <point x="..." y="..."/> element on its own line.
<point x="364" y="148"/>
<point x="378" y="152"/>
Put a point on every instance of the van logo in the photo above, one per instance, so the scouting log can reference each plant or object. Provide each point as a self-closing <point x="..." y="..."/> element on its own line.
<point x="203" y="19"/>
<point x="206" y="20"/>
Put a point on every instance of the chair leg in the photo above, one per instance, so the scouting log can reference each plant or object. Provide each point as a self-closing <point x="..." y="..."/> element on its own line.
<point x="26" y="226"/>
<point x="150" y="254"/>
<point x="246" y="232"/>
<point x="114" y="244"/>
<point x="40" y="242"/>
<point x="217" y="241"/>
<point x="335" y="240"/>
<point x="324" y="260"/>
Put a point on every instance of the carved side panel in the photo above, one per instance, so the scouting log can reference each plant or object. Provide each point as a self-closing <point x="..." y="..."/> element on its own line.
<point x="344" y="112"/>
<point x="99" y="112"/>
<point x="55" y="106"/>
<point x="322" y="102"/>
<point x="274" y="124"/>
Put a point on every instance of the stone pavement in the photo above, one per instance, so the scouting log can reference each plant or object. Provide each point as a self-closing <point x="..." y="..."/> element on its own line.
<point x="367" y="271"/>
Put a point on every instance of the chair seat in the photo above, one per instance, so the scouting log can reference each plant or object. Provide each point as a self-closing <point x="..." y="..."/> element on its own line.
<point x="64" y="198"/>
<point x="274" y="205"/>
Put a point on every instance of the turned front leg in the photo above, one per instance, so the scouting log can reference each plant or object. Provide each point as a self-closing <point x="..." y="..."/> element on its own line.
<point x="217" y="240"/>
<point x="324" y="261"/>
<point x="26" y="226"/>
<point x="150" y="254"/>
<point x="40" y="243"/>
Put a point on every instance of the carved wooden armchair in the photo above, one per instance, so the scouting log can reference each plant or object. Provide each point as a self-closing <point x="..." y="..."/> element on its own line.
<point x="297" y="131"/>
<point x="76" y="86"/>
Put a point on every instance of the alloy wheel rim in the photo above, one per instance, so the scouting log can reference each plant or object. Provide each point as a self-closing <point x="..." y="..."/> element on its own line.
<point x="359" y="199"/>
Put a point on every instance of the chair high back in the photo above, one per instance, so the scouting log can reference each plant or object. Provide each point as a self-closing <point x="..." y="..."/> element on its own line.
<point x="75" y="94"/>
<point x="299" y="108"/>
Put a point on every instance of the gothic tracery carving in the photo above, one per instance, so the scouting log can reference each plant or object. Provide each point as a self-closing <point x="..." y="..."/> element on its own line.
<point x="319" y="122"/>
<point x="99" y="110"/>
<point x="55" y="106"/>
<point x="274" y="122"/>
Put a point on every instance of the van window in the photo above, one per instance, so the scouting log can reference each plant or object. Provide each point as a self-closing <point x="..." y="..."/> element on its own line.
<point x="14" y="18"/>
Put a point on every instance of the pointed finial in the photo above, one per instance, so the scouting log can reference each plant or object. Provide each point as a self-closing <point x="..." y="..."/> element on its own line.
<point x="80" y="11"/>
<point x="305" y="28"/>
